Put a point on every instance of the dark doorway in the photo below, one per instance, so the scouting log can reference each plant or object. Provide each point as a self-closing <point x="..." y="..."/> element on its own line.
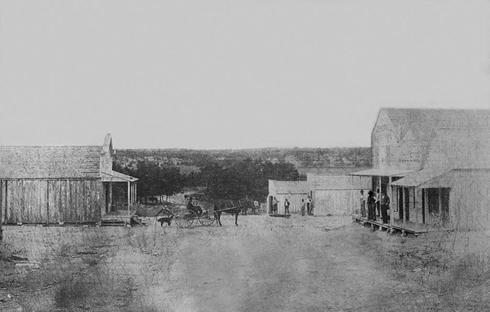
<point x="423" y="206"/>
<point x="433" y="201"/>
<point x="400" y="202"/>
<point x="406" y="192"/>
<point x="107" y="198"/>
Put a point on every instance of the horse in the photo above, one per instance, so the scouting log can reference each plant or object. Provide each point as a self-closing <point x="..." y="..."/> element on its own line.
<point x="220" y="207"/>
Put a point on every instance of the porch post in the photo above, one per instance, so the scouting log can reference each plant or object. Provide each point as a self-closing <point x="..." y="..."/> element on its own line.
<point x="136" y="191"/>
<point x="403" y="205"/>
<point x="390" y="189"/>
<point x="440" y="202"/>
<point x="415" y="203"/>
<point x="110" y="197"/>
<point x="129" y="198"/>
<point x="132" y="195"/>
<point x="379" y="203"/>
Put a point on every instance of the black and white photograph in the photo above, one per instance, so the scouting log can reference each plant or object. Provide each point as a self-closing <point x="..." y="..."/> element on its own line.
<point x="244" y="155"/>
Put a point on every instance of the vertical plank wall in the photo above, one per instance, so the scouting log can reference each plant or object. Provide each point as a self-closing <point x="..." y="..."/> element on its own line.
<point x="335" y="202"/>
<point x="51" y="201"/>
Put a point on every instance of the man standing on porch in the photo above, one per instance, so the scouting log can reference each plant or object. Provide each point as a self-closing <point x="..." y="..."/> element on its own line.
<point x="385" y="205"/>
<point x="371" y="202"/>
<point x="362" y="201"/>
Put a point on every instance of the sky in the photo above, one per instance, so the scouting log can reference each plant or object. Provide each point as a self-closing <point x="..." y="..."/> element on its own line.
<point x="232" y="73"/>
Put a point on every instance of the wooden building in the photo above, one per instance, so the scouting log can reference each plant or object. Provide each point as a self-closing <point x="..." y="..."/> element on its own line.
<point x="59" y="184"/>
<point x="331" y="195"/>
<point x="294" y="191"/>
<point x="336" y="195"/>
<point x="434" y="165"/>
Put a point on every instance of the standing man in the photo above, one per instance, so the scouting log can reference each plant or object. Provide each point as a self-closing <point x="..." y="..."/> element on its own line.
<point x="286" y="206"/>
<point x="255" y="207"/>
<point x="303" y="204"/>
<point x="274" y="205"/>
<point x="363" y="204"/>
<point x="371" y="203"/>
<point x="385" y="205"/>
<point x="308" y="206"/>
<point x="378" y="203"/>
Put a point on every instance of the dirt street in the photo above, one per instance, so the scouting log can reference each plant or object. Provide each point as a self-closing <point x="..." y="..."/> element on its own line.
<point x="264" y="264"/>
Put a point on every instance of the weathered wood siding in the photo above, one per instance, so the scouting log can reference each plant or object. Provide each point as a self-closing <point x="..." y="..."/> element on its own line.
<point x="469" y="200"/>
<point x="2" y="201"/>
<point x="383" y="141"/>
<point x="1" y="210"/>
<point x="52" y="201"/>
<point x="335" y="202"/>
<point x="391" y="150"/>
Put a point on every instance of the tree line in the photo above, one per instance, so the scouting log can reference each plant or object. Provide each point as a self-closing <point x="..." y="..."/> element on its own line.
<point x="234" y="179"/>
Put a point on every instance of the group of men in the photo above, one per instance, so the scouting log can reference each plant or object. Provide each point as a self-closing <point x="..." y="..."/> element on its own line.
<point x="306" y="206"/>
<point x="377" y="205"/>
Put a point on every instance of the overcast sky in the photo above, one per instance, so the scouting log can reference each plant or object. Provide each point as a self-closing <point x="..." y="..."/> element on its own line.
<point x="232" y="73"/>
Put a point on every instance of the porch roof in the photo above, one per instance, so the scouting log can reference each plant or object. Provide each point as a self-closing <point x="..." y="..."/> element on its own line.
<point x="379" y="172"/>
<point x="114" y="176"/>
<point x="420" y="178"/>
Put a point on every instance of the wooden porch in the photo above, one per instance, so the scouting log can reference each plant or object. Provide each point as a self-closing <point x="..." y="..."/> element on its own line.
<point x="108" y="179"/>
<point x="406" y="227"/>
<point x="119" y="214"/>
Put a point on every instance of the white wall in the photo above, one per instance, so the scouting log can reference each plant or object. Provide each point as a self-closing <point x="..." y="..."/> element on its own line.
<point x="335" y="202"/>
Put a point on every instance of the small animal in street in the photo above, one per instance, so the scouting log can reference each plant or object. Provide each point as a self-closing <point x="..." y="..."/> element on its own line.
<point x="220" y="207"/>
<point x="167" y="220"/>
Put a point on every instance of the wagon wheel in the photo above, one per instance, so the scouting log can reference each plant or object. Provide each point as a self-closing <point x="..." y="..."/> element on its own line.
<point x="206" y="220"/>
<point x="184" y="221"/>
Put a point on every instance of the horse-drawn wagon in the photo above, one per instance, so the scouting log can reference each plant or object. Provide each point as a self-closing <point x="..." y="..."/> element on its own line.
<point x="188" y="218"/>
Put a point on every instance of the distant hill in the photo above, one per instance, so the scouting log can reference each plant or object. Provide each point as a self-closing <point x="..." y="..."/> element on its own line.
<point x="318" y="160"/>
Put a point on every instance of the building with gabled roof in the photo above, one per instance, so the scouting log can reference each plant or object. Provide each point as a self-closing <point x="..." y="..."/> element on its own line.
<point x="59" y="184"/>
<point x="330" y="195"/>
<point x="433" y="163"/>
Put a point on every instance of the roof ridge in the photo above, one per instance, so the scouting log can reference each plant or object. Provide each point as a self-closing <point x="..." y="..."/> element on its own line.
<point x="50" y="146"/>
<point x="434" y="109"/>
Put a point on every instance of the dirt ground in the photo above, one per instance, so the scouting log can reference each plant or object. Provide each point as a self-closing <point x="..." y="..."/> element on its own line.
<point x="264" y="264"/>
